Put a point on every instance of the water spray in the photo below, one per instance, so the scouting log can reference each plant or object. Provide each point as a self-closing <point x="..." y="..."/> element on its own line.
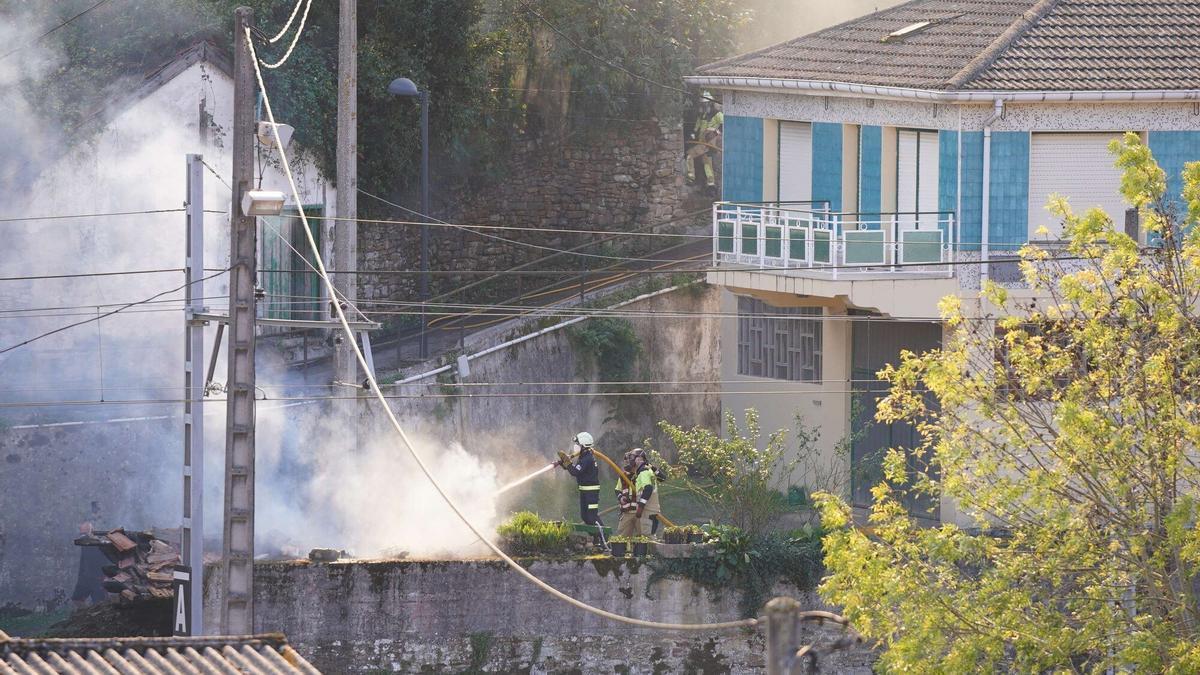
<point x="535" y="474"/>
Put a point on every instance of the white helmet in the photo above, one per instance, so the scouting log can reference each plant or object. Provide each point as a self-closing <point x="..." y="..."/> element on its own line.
<point x="583" y="439"/>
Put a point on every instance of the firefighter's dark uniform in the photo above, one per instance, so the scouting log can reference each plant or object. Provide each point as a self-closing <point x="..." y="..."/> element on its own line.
<point x="587" y="475"/>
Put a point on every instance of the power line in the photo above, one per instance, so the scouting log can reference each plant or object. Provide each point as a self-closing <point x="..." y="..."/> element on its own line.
<point x="95" y="215"/>
<point x="441" y="396"/>
<point x="283" y="31"/>
<point x="295" y="39"/>
<point x="90" y="274"/>
<point x="519" y="228"/>
<point x="107" y="314"/>
<point x="43" y="35"/>
<point x="468" y="228"/>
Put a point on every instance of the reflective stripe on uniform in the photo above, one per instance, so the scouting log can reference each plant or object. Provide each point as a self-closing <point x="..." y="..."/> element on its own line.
<point x="589" y="487"/>
<point x="593" y="506"/>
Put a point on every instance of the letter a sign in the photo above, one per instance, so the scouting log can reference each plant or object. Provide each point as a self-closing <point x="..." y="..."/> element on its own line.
<point x="181" y="622"/>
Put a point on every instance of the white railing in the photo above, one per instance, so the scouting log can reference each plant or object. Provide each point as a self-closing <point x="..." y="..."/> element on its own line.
<point x="808" y="237"/>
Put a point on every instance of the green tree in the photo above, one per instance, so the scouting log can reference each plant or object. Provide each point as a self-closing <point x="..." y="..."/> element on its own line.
<point x="735" y="478"/>
<point x="1067" y="433"/>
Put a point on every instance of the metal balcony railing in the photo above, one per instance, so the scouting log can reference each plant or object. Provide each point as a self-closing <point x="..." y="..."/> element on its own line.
<point x="809" y="237"/>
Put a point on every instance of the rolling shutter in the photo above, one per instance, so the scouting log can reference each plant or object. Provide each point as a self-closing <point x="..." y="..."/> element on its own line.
<point x="917" y="155"/>
<point x="795" y="162"/>
<point x="1078" y="167"/>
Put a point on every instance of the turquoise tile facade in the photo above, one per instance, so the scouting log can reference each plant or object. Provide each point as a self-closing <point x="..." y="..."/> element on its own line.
<point x="870" y="167"/>
<point x="827" y="163"/>
<point x="1173" y="149"/>
<point x="742" y="160"/>
<point x="970" y="218"/>
<point x="1009" y="201"/>
<point x="948" y="171"/>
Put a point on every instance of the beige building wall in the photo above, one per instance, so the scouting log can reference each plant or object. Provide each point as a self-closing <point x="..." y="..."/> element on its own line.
<point x="824" y="405"/>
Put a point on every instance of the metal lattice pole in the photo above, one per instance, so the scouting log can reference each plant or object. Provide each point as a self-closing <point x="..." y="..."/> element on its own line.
<point x="191" y="534"/>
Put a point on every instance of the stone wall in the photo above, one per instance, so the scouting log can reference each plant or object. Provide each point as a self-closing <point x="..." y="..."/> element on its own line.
<point x="616" y="181"/>
<point x="480" y="616"/>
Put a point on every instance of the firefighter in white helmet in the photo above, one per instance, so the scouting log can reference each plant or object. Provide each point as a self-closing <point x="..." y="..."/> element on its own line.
<point x="582" y="465"/>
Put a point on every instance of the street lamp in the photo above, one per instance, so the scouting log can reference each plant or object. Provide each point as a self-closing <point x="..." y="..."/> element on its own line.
<point x="402" y="86"/>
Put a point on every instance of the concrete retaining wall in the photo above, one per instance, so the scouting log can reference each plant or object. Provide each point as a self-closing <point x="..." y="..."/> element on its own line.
<point x="480" y="616"/>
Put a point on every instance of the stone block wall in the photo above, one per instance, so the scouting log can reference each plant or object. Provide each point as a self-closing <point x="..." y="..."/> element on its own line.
<point x="615" y="181"/>
<point x="480" y="616"/>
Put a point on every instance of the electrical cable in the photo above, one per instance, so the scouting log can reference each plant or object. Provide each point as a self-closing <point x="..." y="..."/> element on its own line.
<point x="43" y="35"/>
<point x="468" y="228"/>
<point x="91" y="215"/>
<point x="89" y="274"/>
<point x="283" y="31"/>
<point x="499" y="395"/>
<point x="295" y="39"/>
<point x="374" y="386"/>
<point x="107" y="314"/>
<point x="518" y="228"/>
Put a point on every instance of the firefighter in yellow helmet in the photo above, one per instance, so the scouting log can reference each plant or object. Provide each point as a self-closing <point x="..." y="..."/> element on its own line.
<point x="707" y="141"/>
<point x="645" y="492"/>
<point x="627" y="523"/>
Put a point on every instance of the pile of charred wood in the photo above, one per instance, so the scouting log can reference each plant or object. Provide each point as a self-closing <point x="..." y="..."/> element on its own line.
<point x="142" y="565"/>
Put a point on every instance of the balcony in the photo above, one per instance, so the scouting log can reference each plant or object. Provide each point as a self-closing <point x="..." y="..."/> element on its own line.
<point x="807" y="239"/>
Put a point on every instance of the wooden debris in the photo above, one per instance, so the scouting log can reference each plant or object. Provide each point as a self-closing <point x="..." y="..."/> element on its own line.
<point x="143" y="565"/>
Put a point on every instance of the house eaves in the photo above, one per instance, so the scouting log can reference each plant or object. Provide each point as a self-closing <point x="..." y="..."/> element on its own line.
<point x="852" y="89"/>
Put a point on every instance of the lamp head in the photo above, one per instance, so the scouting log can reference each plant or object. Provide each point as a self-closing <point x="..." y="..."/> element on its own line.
<point x="402" y="86"/>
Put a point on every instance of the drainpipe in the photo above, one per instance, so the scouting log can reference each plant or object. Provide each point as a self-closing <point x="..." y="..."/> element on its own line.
<point x="987" y="188"/>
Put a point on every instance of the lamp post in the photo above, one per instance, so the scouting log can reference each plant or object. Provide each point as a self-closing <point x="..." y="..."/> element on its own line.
<point x="402" y="86"/>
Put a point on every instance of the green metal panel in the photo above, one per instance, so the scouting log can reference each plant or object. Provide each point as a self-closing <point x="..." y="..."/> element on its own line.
<point x="922" y="247"/>
<point x="774" y="241"/>
<point x="821" y="248"/>
<point x="796" y="245"/>
<point x="286" y="263"/>
<point x="725" y="237"/>
<point x="864" y="247"/>
<point x="750" y="239"/>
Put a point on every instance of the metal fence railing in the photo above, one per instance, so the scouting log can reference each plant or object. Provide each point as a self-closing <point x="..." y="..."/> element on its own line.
<point x="811" y="237"/>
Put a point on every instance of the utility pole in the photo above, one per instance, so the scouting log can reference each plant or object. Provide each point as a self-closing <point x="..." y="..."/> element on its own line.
<point x="237" y="605"/>
<point x="191" y="535"/>
<point x="345" y="238"/>
<point x="425" y="216"/>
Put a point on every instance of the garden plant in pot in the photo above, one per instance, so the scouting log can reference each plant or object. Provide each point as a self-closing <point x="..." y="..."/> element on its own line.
<point x="641" y="545"/>
<point x="619" y="546"/>
<point x="674" y="543"/>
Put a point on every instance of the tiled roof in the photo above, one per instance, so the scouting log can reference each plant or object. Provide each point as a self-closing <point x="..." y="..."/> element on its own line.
<point x="268" y="653"/>
<point x="996" y="45"/>
<point x="1103" y="45"/>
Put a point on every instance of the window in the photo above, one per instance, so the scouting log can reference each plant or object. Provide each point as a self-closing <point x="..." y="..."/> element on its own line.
<point x="776" y="342"/>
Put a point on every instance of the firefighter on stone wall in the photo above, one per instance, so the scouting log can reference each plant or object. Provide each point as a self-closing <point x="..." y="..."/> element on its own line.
<point x="645" y="492"/>
<point x="706" y="141"/>
<point x="582" y="465"/>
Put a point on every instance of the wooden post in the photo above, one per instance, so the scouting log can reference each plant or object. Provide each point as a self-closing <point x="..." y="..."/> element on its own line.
<point x="237" y="607"/>
<point x="345" y="237"/>
<point x="782" y="634"/>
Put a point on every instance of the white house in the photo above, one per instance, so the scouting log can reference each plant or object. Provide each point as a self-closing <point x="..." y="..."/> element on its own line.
<point x="876" y="166"/>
